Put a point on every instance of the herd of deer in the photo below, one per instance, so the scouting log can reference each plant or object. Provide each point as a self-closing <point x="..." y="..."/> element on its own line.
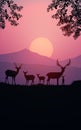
<point x="50" y="75"/>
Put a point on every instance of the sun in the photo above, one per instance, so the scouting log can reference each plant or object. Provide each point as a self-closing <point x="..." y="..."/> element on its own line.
<point x="42" y="46"/>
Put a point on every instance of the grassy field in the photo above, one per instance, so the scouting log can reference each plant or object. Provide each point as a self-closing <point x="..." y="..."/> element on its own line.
<point x="40" y="106"/>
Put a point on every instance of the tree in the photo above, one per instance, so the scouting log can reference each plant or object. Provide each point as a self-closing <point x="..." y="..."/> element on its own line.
<point x="68" y="14"/>
<point x="9" y="12"/>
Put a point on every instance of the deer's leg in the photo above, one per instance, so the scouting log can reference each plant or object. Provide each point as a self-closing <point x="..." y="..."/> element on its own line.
<point x="26" y="82"/>
<point x="48" y="81"/>
<point x="39" y="81"/>
<point x="57" y="81"/>
<point x="32" y="82"/>
<point x="14" y="81"/>
<point x="43" y="81"/>
<point x="6" y="78"/>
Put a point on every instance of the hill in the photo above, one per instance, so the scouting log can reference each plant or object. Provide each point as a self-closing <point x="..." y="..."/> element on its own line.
<point x="26" y="57"/>
<point x="77" y="61"/>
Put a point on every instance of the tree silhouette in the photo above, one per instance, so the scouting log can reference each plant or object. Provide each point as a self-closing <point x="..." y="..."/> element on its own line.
<point x="68" y="14"/>
<point x="9" y="12"/>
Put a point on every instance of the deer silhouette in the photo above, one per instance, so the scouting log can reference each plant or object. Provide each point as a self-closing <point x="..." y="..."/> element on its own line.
<point x="57" y="75"/>
<point x="12" y="74"/>
<point x="41" y="78"/>
<point x="28" y="78"/>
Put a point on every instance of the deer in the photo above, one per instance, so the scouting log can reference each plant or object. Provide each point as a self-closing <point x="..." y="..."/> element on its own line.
<point x="28" y="78"/>
<point x="57" y="75"/>
<point x="41" y="78"/>
<point x="12" y="74"/>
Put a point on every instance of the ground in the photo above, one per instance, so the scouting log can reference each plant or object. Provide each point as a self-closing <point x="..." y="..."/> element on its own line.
<point x="40" y="106"/>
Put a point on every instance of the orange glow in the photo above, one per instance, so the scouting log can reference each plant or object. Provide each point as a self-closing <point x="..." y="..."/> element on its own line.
<point x="42" y="46"/>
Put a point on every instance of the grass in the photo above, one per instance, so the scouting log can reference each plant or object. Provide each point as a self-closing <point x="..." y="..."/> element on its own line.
<point x="40" y="106"/>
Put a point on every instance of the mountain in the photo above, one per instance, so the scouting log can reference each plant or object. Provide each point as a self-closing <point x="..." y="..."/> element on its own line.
<point x="77" y="61"/>
<point x="26" y="57"/>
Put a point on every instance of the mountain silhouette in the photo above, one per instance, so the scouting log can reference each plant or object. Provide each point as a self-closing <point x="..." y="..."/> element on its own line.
<point x="76" y="61"/>
<point x="26" y="57"/>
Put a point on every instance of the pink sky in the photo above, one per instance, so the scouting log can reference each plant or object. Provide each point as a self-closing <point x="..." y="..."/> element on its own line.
<point x="36" y="22"/>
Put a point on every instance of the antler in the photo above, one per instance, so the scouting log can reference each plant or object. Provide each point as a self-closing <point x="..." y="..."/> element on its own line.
<point x="68" y="63"/>
<point x="58" y="63"/>
<point x="65" y="65"/>
<point x="15" y="64"/>
<point x="20" y="65"/>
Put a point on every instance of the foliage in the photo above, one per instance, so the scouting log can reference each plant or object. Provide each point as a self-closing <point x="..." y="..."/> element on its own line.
<point x="9" y="12"/>
<point x="68" y="14"/>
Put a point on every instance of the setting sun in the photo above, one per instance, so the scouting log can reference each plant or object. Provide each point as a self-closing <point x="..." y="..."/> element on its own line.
<point x="42" y="46"/>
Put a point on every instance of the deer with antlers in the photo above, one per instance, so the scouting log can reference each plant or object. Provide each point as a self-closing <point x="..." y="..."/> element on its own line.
<point x="12" y="74"/>
<point x="57" y="75"/>
<point x="28" y="78"/>
<point x="41" y="78"/>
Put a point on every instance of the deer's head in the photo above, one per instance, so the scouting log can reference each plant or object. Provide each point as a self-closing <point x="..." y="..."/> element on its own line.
<point x="38" y="74"/>
<point x="18" y="67"/>
<point x="25" y="72"/>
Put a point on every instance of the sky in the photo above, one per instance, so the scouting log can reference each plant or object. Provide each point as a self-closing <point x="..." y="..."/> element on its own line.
<point x="37" y="22"/>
